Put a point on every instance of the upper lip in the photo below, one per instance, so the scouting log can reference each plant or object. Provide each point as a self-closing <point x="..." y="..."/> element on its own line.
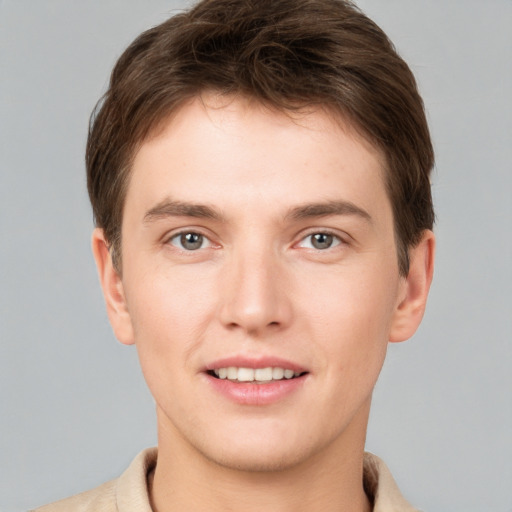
<point x="240" y="361"/>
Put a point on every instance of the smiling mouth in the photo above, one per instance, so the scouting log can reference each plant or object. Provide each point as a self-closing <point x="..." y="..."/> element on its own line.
<point x="255" y="375"/>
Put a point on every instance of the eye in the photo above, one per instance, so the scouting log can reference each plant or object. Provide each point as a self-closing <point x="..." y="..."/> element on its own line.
<point x="320" y="241"/>
<point x="190" y="241"/>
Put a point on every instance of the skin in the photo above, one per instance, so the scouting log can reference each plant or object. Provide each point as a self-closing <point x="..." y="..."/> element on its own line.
<point x="257" y="286"/>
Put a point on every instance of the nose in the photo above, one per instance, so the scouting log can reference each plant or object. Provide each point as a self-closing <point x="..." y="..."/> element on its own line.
<point x="255" y="293"/>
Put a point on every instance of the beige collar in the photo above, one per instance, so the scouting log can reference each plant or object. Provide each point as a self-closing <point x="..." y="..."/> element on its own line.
<point x="379" y="484"/>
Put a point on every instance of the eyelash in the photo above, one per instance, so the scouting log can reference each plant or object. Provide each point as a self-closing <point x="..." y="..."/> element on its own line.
<point x="179" y="236"/>
<point x="334" y="239"/>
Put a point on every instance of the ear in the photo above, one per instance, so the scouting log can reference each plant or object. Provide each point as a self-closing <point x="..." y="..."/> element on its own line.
<point x="414" y="289"/>
<point x="113" y="290"/>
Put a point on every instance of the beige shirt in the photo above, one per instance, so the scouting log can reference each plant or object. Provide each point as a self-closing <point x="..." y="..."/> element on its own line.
<point x="129" y="493"/>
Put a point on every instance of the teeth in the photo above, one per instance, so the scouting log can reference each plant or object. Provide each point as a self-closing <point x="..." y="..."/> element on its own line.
<point x="277" y="373"/>
<point x="245" y="374"/>
<point x="263" y="374"/>
<point x="255" y="375"/>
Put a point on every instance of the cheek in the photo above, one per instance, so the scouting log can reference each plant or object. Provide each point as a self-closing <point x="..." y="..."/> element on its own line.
<point x="168" y="330"/>
<point x="169" y="316"/>
<point x="350" y="316"/>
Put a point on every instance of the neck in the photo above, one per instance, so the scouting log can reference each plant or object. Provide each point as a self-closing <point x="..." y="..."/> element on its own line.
<point x="330" y="480"/>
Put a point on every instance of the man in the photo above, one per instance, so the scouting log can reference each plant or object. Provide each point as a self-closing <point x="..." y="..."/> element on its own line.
<point x="259" y="175"/>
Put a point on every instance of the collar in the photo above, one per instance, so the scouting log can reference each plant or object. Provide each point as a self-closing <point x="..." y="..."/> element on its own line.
<point x="380" y="486"/>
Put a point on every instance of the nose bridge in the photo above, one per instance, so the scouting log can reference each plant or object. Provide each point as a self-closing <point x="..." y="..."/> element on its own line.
<point x="254" y="291"/>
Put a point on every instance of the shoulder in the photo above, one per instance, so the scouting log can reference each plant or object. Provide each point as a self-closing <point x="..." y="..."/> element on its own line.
<point x="100" y="499"/>
<point x="128" y="493"/>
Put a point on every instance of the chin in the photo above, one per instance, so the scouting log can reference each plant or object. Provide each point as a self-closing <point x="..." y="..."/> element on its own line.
<point x="257" y="460"/>
<point x="262" y="451"/>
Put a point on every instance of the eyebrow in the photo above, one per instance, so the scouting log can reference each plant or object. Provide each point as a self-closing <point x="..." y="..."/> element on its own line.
<point x="170" y="208"/>
<point x="325" y="209"/>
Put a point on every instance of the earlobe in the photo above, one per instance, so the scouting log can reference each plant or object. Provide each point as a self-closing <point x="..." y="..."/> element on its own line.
<point x="113" y="290"/>
<point x="415" y="287"/>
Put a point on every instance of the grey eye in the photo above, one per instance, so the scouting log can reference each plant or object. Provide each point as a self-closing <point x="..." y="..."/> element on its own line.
<point x="189" y="241"/>
<point x="322" y="240"/>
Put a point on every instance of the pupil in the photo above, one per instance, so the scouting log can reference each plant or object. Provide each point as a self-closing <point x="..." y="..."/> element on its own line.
<point x="322" y="240"/>
<point x="191" y="241"/>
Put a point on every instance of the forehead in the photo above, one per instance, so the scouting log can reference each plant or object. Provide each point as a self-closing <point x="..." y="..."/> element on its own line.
<point x="237" y="150"/>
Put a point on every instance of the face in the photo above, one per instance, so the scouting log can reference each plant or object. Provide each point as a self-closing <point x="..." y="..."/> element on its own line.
<point x="260" y="281"/>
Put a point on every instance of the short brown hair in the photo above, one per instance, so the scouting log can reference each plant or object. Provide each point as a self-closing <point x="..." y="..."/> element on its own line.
<point x="288" y="54"/>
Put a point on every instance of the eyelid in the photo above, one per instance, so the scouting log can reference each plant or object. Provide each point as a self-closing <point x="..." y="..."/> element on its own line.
<point x="169" y="236"/>
<point x="342" y="238"/>
<point x="177" y="237"/>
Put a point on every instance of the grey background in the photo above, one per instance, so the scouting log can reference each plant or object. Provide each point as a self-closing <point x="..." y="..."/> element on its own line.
<point x="74" y="407"/>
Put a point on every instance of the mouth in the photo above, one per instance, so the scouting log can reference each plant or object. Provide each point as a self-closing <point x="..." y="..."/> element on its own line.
<point x="256" y="381"/>
<point x="255" y="375"/>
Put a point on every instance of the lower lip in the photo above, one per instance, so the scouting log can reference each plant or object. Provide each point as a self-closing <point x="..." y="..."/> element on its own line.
<point x="250" y="393"/>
